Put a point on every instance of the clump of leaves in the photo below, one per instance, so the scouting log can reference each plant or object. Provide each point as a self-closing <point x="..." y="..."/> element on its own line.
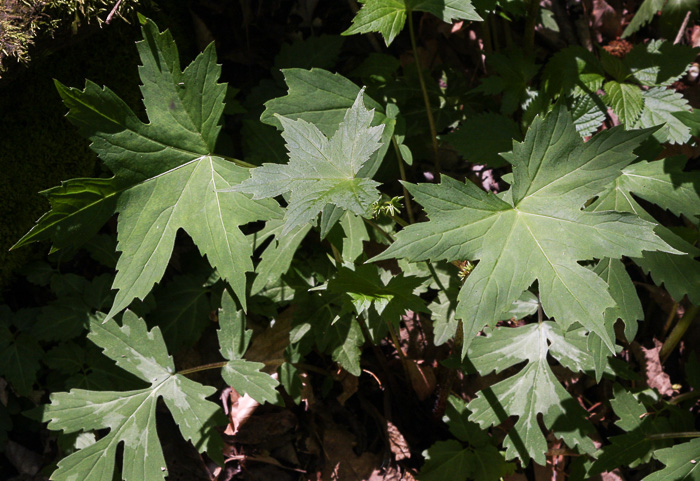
<point x="540" y="267"/>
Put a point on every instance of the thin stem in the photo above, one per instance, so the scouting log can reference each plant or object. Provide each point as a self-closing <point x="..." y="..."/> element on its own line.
<point x="530" y="24"/>
<point x="681" y="31"/>
<point x="402" y="171"/>
<point x="204" y="367"/>
<point x="677" y="333"/>
<point x="688" y="434"/>
<point x="486" y="37"/>
<point x="426" y="99"/>
<point x="669" y="319"/>
<point x="373" y="224"/>
<point x="238" y="162"/>
<point x="399" y="221"/>
<point x="684" y="397"/>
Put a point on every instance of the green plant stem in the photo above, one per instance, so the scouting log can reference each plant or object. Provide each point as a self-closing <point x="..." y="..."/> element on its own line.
<point x="530" y="23"/>
<point x="426" y="99"/>
<point x="684" y="397"/>
<point x="677" y="333"/>
<point x="399" y="221"/>
<point x="402" y="171"/>
<point x="376" y="226"/>
<point x="203" y="367"/>
<point x="669" y="320"/>
<point x="688" y="434"/>
<point x="238" y="162"/>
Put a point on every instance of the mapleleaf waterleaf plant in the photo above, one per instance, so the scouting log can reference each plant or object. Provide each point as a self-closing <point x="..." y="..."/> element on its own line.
<point x="551" y="252"/>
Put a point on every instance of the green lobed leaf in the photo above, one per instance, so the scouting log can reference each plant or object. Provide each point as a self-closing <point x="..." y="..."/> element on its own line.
<point x="322" y="98"/>
<point x="131" y="415"/>
<point x="691" y="119"/>
<point x="277" y="256"/>
<point x="632" y="447"/>
<point x="533" y="390"/>
<point x="355" y="235"/>
<point x="244" y="376"/>
<point x="540" y="233"/>
<point x="321" y="170"/>
<point x="625" y="99"/>
<point x="182" y="311"/>
<point x="659" y="63"/>
<point x="391" y="296"/>
<point x="644" y="15"/>
<point x="165" y="174"/>
<point x="664" y="183"/>
<point x="388" y="17"/>
<point x="572" y="70"/>
<point x="682" y="462"/>
<point x="660" y="105"/>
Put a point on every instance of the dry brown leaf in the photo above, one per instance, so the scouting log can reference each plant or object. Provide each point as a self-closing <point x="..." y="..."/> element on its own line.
<point x="422" y="378"/>
<point x="397" y="442"/>
<point x="651" y="364"/>
<point x="342" y="464"/>
<point x="238" y="410"/>
<point x="606" y="21"/>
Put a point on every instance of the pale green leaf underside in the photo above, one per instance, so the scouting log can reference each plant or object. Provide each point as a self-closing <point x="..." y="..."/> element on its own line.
<point x="664" y="183"/>
<point x="532" y="391"/>
<point x="659" y="106"/>
<point x="321" y="170"/>
<point x="541" y="235"/>
<point x="131" y="415"/>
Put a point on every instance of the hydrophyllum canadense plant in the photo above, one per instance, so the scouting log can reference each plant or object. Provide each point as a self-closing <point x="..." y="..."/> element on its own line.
<point x="550" y="246"/>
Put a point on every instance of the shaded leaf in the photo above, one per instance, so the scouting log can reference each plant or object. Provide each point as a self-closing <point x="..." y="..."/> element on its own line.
<point x="244" y="376"/>
<point x="533" y="390"/>
<point x="130" y="415"/>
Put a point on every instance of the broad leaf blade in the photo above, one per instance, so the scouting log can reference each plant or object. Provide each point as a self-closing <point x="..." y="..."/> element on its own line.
<point x="130" y="416"/>
<point x="540" y="235"/>
<point x="321" y="170"/>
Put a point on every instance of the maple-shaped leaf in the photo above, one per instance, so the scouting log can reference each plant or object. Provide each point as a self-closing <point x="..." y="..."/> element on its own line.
<point x="244" y="376"/>
<point x="481" y="461"/>
<point x="635" y="446"/>
<point x="390" y="295"/>
<point x="682" y="463"/>
<point x="321" y="170"/>
<point x="537" y="231"/>
<point x="662" y="182"/>
<point x="166" y="175"/>
<point x="660" y="105"/>
<point x="130" y="416"/>
<point x="534" y="389"/>
<point x="625" y="99"/>
<point x="388" y="17"/>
